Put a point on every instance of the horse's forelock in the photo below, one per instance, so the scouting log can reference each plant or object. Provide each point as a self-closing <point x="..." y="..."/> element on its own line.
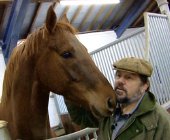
<point x="63" y="26"/>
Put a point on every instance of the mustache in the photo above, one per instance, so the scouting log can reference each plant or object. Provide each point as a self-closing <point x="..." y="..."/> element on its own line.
<point x="119" y="87"/>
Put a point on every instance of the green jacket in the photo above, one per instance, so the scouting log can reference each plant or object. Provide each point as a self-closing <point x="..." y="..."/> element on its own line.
<point x="149" y="122"/>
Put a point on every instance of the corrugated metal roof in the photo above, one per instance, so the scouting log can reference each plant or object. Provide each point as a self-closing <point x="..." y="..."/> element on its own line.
<point x="84" y="18"/>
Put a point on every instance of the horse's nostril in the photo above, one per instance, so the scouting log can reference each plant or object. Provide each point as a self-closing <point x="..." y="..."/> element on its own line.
<point x="110" y="103"/>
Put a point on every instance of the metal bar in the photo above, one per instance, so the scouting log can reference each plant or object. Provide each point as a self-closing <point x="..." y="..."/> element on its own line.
<point x="12" y="33"/>
<point x="131" y="16"/>
<point x="12" y="19"/>
<point x="76" y="135"/>
<point x="147" y="36"/>
<point x="119" y="40"/>
<point x="157" y="29"/>
<point x="58" y="110"/>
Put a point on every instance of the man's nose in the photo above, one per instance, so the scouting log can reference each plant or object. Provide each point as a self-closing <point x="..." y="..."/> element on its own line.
<point x="120" y="80"/>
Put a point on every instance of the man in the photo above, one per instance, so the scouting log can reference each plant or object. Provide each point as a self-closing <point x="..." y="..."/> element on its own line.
<point x="138" y="116"/>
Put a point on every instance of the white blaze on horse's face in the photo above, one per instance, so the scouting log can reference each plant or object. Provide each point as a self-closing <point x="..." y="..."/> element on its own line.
<point x="66" y="68"/>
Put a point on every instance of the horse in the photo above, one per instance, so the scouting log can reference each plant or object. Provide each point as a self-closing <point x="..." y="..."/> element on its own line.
<point x="51" y="59"/>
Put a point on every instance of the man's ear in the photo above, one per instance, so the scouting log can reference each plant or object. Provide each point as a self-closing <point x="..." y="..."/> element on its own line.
<point x="145" y="87"/>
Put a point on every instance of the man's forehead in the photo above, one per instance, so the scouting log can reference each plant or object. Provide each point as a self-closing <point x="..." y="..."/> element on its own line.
<point x="126" y="72"/>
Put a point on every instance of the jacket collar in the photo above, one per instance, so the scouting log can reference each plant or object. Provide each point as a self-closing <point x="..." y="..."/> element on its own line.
<point x="147" y="104"/>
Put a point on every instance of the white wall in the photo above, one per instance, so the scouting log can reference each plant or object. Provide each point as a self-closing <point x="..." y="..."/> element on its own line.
<point x="53" y="113"/>
<point x="93" y="41"/>
<point x="2" y="70"/>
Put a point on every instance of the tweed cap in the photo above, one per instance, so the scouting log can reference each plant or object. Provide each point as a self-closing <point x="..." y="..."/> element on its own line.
<point x="135" y="65"/>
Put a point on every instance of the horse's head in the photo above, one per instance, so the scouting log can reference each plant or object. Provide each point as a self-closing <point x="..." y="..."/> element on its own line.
<point x="65" y="67"/>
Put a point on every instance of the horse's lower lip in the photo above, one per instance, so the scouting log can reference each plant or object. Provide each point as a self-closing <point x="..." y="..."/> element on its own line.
<point x="96" y="113"/>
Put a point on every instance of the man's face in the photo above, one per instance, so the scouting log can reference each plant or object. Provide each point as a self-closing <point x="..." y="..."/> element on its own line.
<point x="128" y="87"/>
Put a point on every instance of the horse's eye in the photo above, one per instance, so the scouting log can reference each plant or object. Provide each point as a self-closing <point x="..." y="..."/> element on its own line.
<point x="67" y="55"/>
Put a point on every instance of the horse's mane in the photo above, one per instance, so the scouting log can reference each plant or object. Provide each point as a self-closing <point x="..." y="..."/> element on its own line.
<point x="27" y="49"/>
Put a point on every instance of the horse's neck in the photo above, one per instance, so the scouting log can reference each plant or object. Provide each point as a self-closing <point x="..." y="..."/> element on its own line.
<point x="27" y="92"/>
<point x="28" y="106"/>
<point x="39" y="110"/>
<point x="39" y="104"/>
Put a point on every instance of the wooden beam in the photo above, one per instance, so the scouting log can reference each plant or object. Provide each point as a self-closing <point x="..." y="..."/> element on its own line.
<point x="65" y="10"/>
<point x="45" y="0"/>
<point x="2" y="18"/>
<point x="40" y="14"/>
<point x="108" y="14"/>
<point x="96" y="17"/>
<point x="13" y="28"/>
<point x="34" y="18"/>
<point x="76" y="14"/>
<point x="138" y="8"/>
<point x="5" y="1"/>
<point x="148" y="9"/>
<point x="114" y="15"/>
<point x="85" y="18"/>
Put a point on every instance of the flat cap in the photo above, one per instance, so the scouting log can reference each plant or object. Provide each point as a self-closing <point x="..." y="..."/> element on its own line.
<point x="135" y="65"/>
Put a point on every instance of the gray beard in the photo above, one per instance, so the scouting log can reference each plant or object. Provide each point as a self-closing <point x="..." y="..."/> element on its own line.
<point x="127" y="100"/>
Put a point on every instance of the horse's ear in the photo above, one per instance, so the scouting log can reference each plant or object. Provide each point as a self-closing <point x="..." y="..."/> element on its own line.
<point x="50" y="19"/>
<point x="64" y="19"/>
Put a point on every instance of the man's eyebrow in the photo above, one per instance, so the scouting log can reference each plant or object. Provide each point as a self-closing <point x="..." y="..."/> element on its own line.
<point x="133" y="74"/>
